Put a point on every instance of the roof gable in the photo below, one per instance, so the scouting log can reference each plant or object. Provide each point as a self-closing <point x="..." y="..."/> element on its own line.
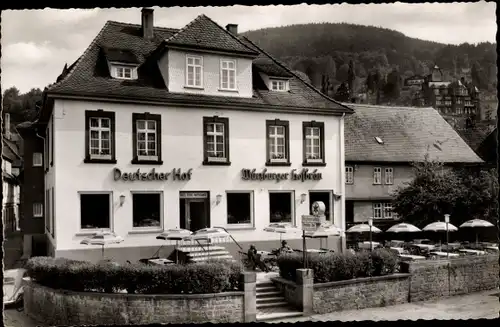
<point x="408" y="134"/>
<point x="204" y="33"/>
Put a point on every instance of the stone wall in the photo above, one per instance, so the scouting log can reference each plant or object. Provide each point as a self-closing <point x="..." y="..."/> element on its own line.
<point x="289" y="290"/>
<point x="432" y="279"/>
<point x="361" y="293"/>
<point x="58" y="307"/>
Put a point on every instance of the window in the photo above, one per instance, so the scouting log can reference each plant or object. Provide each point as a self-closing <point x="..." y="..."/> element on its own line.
<point x="124" y="72"/>
<point x="389" y="176"/>
<point x="146" y="130"/>
<point x="52" y="213"/>
<point x="278" y="146"/>
<point x="37" y="210"/>
<point x="47" y="213"/>
<point x="52" y="140"/>
<point x="194" y="71"/>
<point x="349" y="175"/>
<point x="377" y="210"/>
<point x="147" y="210"/>
<point x="314" y="145"/>
<point x="280" y="207"/>
<point x="37" y="159"/>
<point x="228" y="74"/>
<point x="387" y="210"/>
<point x="239" y="208"/>
<point x="100" y="140"/>
<point x="216" y="140"/>
<point x="95" y="211"/>
<point x="382" y="210"/>
<point x="377" y="175"/>
<point x="278" y="85"/>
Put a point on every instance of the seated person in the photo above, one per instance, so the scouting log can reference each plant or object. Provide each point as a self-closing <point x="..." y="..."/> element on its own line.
<point x="284" y="247"/>
<point x="255" y="259"/>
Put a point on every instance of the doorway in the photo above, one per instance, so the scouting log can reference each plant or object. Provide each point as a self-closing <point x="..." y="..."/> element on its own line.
<point x="327" y="198"/>
<point x="194" y="210"/>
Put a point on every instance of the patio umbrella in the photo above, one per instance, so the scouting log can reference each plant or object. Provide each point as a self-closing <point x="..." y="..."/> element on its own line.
<point x="324" y="231"/>
<point x="282" y="228"/>
<point x="364" y="228"/>
<point x="440" y="226"/>
<point x="175" y="234"/>
<point x="102" y="239"/>
<point x="476" y="223"/>
<point x="404" y="228"/>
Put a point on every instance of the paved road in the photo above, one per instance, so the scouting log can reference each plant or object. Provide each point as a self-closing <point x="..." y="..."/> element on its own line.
<point x="474" y="306"/>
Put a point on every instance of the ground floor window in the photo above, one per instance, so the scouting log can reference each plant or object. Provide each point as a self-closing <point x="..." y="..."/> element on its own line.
<point x="239" y="207"/>
<point x="281" y="207"/>
<point x="95" y="210"/>
<point x="146" y="209"/>
<point x="326" y="198"/>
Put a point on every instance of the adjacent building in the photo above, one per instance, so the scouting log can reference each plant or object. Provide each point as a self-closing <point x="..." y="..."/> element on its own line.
<point x="155" y="128"/>
<point x="381" y="143"/>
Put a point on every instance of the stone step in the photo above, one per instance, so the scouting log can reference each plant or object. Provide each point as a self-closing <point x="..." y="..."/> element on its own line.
<point x="266" y="289"/>
<point x="204" y="258"/>
<point x="200" y="249"/>
<point x="278" y="315"/>
<point x="266" y="300"/>
<point x="267" y="294"/>
<point x="211" y="253"/>
<point x="264" y="284"/>
<point x="272" y="305"/>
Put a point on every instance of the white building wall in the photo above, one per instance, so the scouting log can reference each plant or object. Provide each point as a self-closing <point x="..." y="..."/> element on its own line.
<point x="182" y="147"/>
<point x="173" y="69"/>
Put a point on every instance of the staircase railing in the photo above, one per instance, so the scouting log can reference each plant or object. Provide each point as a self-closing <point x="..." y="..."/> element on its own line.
<point x="231" y="236"/>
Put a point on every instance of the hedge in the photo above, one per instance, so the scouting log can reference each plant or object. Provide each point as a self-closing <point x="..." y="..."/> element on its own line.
<point x="81" y="276"/>
<point x="331" y="267"/>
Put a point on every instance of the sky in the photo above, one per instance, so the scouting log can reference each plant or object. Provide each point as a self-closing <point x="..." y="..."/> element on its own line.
<point x="34" y="54"/>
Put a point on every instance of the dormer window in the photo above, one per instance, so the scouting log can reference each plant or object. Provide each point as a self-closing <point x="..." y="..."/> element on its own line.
<point x="278" y="85"/>
<point x="228" y="75"/>
<point x="194" y="71"/>
<point x="124" y="72"/>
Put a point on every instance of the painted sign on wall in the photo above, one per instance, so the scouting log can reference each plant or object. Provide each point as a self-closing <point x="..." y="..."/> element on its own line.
<point x="152" y="175"/>
<point x="295" y="175"/>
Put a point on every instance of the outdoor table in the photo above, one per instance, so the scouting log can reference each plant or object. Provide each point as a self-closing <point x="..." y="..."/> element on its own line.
<point x="160" y="261"/>
<point x="400" y="250"/>
<point x="315" y="251"/>
<point x="366" y="245"/>
<point x="445" y="254"/>
<point x="477" y="252"/>
<point x="492" y="248"/>
<point x="412" y="257"/>
<point x="425" y="246"/>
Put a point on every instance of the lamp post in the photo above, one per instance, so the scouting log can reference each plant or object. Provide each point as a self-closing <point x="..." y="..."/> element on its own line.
<point x="370" y="223"/>
<point x="304" y="249"/>
<point x="447" y="221"/>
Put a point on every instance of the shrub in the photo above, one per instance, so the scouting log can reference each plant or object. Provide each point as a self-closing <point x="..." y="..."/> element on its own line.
<point x="331" y="267"/>
<point x="196" y="278"/>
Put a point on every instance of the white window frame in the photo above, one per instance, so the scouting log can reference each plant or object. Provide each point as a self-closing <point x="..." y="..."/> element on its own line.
<point x="292" y="205"/>
<point x="119" y="72"/>
<point x="195" y="66"/>
<point x="159" y="228"/>
<point x="147" y="131"/>
<point x="377" y="207"/>
<point x="111" y="206"/>
<point x="252" y="210"/>
<point x="38" y="210"/>
<point x="275" y="85"/>
<point x="273" y="150"/>
<point x="377" y="175"/>
<point x="387" y="210"/>
<point x="349" y="175"/>
<point x="100" y="130"/>
<point x="212" y="138"/>
<point x="229" y="71"/>
<point x="37" y="159"/>
<point x="389" y="176"/>
<point x="309" y="138"/>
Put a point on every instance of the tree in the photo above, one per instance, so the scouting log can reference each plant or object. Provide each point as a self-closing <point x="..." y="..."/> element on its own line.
<point x="343" y="73"/>
<point x="351" y="76"/>
<point x="437" y="190"/>
<point x="21" y="107"/>
<point x="342" y="93"/>
<point x="392" y="88"/>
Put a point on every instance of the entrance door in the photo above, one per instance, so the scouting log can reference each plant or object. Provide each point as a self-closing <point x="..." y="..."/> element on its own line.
<point x="195" y="214"/>
<point x="326" y="198"/>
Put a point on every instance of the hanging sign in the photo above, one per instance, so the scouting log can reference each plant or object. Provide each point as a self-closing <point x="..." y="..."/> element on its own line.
<point x="310" y="223"/>
<point x="295" y="175"/>
<point x="152" y="175"/>
<point x="193" y="195"/>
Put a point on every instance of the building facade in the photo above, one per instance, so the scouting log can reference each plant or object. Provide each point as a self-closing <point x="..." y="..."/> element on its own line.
<point x="381" y="143"/>
<point x="155" y="128"/>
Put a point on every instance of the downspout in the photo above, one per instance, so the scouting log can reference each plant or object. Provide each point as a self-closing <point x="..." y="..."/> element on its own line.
<point x="342" y="184"/>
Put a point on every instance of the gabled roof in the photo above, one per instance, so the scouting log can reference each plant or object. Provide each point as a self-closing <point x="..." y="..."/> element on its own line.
<point x="90" y="77"/>
<point x="204" y="33"/>
<point x="408" y="134"/>
<point x="10" y="151"/>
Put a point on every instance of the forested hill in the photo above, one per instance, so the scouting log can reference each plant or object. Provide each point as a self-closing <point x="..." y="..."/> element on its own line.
<point x="327" y="48"/>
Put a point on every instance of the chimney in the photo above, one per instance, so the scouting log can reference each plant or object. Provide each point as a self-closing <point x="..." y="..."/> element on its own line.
<point x="7" y="125"/>
<point x="232" y="28"/>
<point x="147" y="23"/>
